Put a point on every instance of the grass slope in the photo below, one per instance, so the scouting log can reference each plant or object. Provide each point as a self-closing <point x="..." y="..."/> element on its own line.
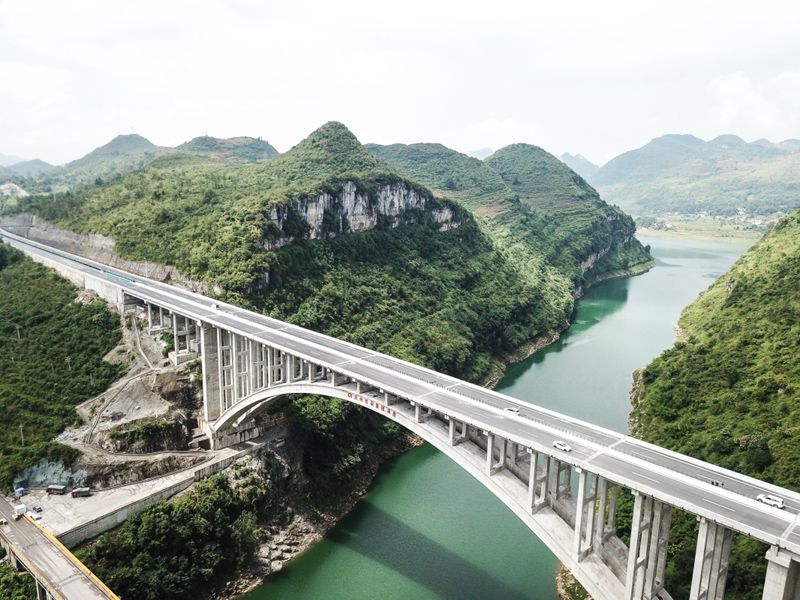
<point x="728" y="391"/>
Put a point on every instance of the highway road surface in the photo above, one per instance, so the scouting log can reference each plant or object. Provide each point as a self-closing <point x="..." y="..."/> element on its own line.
<point x="50" y="561"/>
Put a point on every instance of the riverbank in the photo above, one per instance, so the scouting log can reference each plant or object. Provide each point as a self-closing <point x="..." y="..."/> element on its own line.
<point x="288" y="540"/>
<point x="732" y="236"/>
<point x="525" y="351"/>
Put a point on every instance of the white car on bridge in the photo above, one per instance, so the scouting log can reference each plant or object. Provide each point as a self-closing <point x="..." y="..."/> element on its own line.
<point x="561" y="445"/>
<point x="771" y="500"/>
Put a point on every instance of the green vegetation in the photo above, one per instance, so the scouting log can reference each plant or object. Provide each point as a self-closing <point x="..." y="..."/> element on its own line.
<point x="545" y="217"/>
<point x="242" y="148"/>
<point x="727" y="392"/>
<point x="123" y="154"/>
<point x="15" y="585"/>
<point x="51" y="350"/>
<point x="337" y="439"/>
<point x="685" y="175"/>
<point x="177" y="549"/>
<point x="448" y="300"/>
<point x="30" y="168"/>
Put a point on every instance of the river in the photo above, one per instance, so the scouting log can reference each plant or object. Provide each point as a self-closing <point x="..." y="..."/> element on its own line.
<point x="427" y="530"/>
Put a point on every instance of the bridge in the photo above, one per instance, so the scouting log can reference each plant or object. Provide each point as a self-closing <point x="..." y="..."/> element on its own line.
<point x="56" y="572"/>
<point x="568" y="498"/>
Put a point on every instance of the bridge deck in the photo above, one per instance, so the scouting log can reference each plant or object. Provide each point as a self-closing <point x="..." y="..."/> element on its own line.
<point x="42" y="554"/>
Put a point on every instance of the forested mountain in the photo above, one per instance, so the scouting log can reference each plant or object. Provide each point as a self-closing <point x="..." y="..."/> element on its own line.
<point x="580" y="164"/>
<point x="126" y="153"/>
<point x="243" y="148"/>
<point x="723" y="177"/>
<point x="9" y="159"/>
<point x="31" y="168"/>
<point x="727" y="392"/>
<point x="540" y="211"/>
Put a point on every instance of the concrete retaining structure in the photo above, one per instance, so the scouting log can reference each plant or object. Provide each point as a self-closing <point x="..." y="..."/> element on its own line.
<point x="119" y="515"/>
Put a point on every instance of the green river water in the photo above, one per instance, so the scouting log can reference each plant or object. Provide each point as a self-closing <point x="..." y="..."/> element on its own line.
<point x="427" y="530"/>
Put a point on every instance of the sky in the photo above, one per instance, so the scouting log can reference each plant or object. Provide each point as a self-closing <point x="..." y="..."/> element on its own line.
<point x="596" y="78"/>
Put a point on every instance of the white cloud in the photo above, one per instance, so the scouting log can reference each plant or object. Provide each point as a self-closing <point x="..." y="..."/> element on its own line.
<point x="768" y="107"/>
<point x="595" y="78"/>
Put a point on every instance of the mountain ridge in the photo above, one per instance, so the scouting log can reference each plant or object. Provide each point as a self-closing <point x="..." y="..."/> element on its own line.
<point x="580" y="164"/>
<point x="725" y="177"/>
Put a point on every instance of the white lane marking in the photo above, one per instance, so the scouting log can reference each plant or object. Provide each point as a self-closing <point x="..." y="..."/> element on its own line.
<point x="791" y="526"/>
<point x="645" y="477"/>
<point x="733" y="510"/>
<point x="603" y="450"/>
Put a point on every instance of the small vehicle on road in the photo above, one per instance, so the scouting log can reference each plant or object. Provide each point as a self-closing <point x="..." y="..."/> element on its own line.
<point x="3" y="521"/>
<point x="37" y="508"/>
<point x="771" y="500"/>
<point x="512" y="410"/>
<point x="562" y="445"/>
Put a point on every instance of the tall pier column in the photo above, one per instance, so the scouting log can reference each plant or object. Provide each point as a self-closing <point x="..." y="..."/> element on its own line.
<point x="455" y="436"/>
<point x="586" y="513"/>
<point x="492" y="465"/>
<point x="710" y="561"/>
<point x="647" y="550"/>
<point x="783" y="575"/>
<point x="210" y="360"/>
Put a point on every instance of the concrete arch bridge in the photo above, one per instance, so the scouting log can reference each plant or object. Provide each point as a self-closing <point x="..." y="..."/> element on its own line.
<point x="525" y="455"/>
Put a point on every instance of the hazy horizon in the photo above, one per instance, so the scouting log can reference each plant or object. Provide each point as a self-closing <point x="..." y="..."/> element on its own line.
<point x="590" y="79"/>
<point x="477" y="152"/>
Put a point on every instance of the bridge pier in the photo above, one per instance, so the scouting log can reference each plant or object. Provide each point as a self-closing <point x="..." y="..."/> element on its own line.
<point x="457" y="438"/>
<point x="710" y="561"/>
<point x="783" y="575"/>
<point x="209" y="355"/>
<point x="494" y="465"/>
<point x="419" y="415"/>
<point x="152" y="327"/>
<point x="538" y="476"/>
<point x="585" y="510"/>
<point x="647" y="550"/>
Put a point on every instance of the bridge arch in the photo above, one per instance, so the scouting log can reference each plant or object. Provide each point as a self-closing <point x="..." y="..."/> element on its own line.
<point x="247" y="407"/>
<point x="551" y="528"/>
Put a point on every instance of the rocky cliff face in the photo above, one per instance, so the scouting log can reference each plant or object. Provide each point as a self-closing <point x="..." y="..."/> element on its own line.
<point x="348" y="209"/>
<point x="351" y="209"/>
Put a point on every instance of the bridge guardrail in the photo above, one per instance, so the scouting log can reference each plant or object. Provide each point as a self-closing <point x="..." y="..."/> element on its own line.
<point x="74" y="559"/>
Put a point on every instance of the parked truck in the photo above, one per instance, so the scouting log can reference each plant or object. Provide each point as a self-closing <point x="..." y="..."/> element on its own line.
<point x="81" y="492"/>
